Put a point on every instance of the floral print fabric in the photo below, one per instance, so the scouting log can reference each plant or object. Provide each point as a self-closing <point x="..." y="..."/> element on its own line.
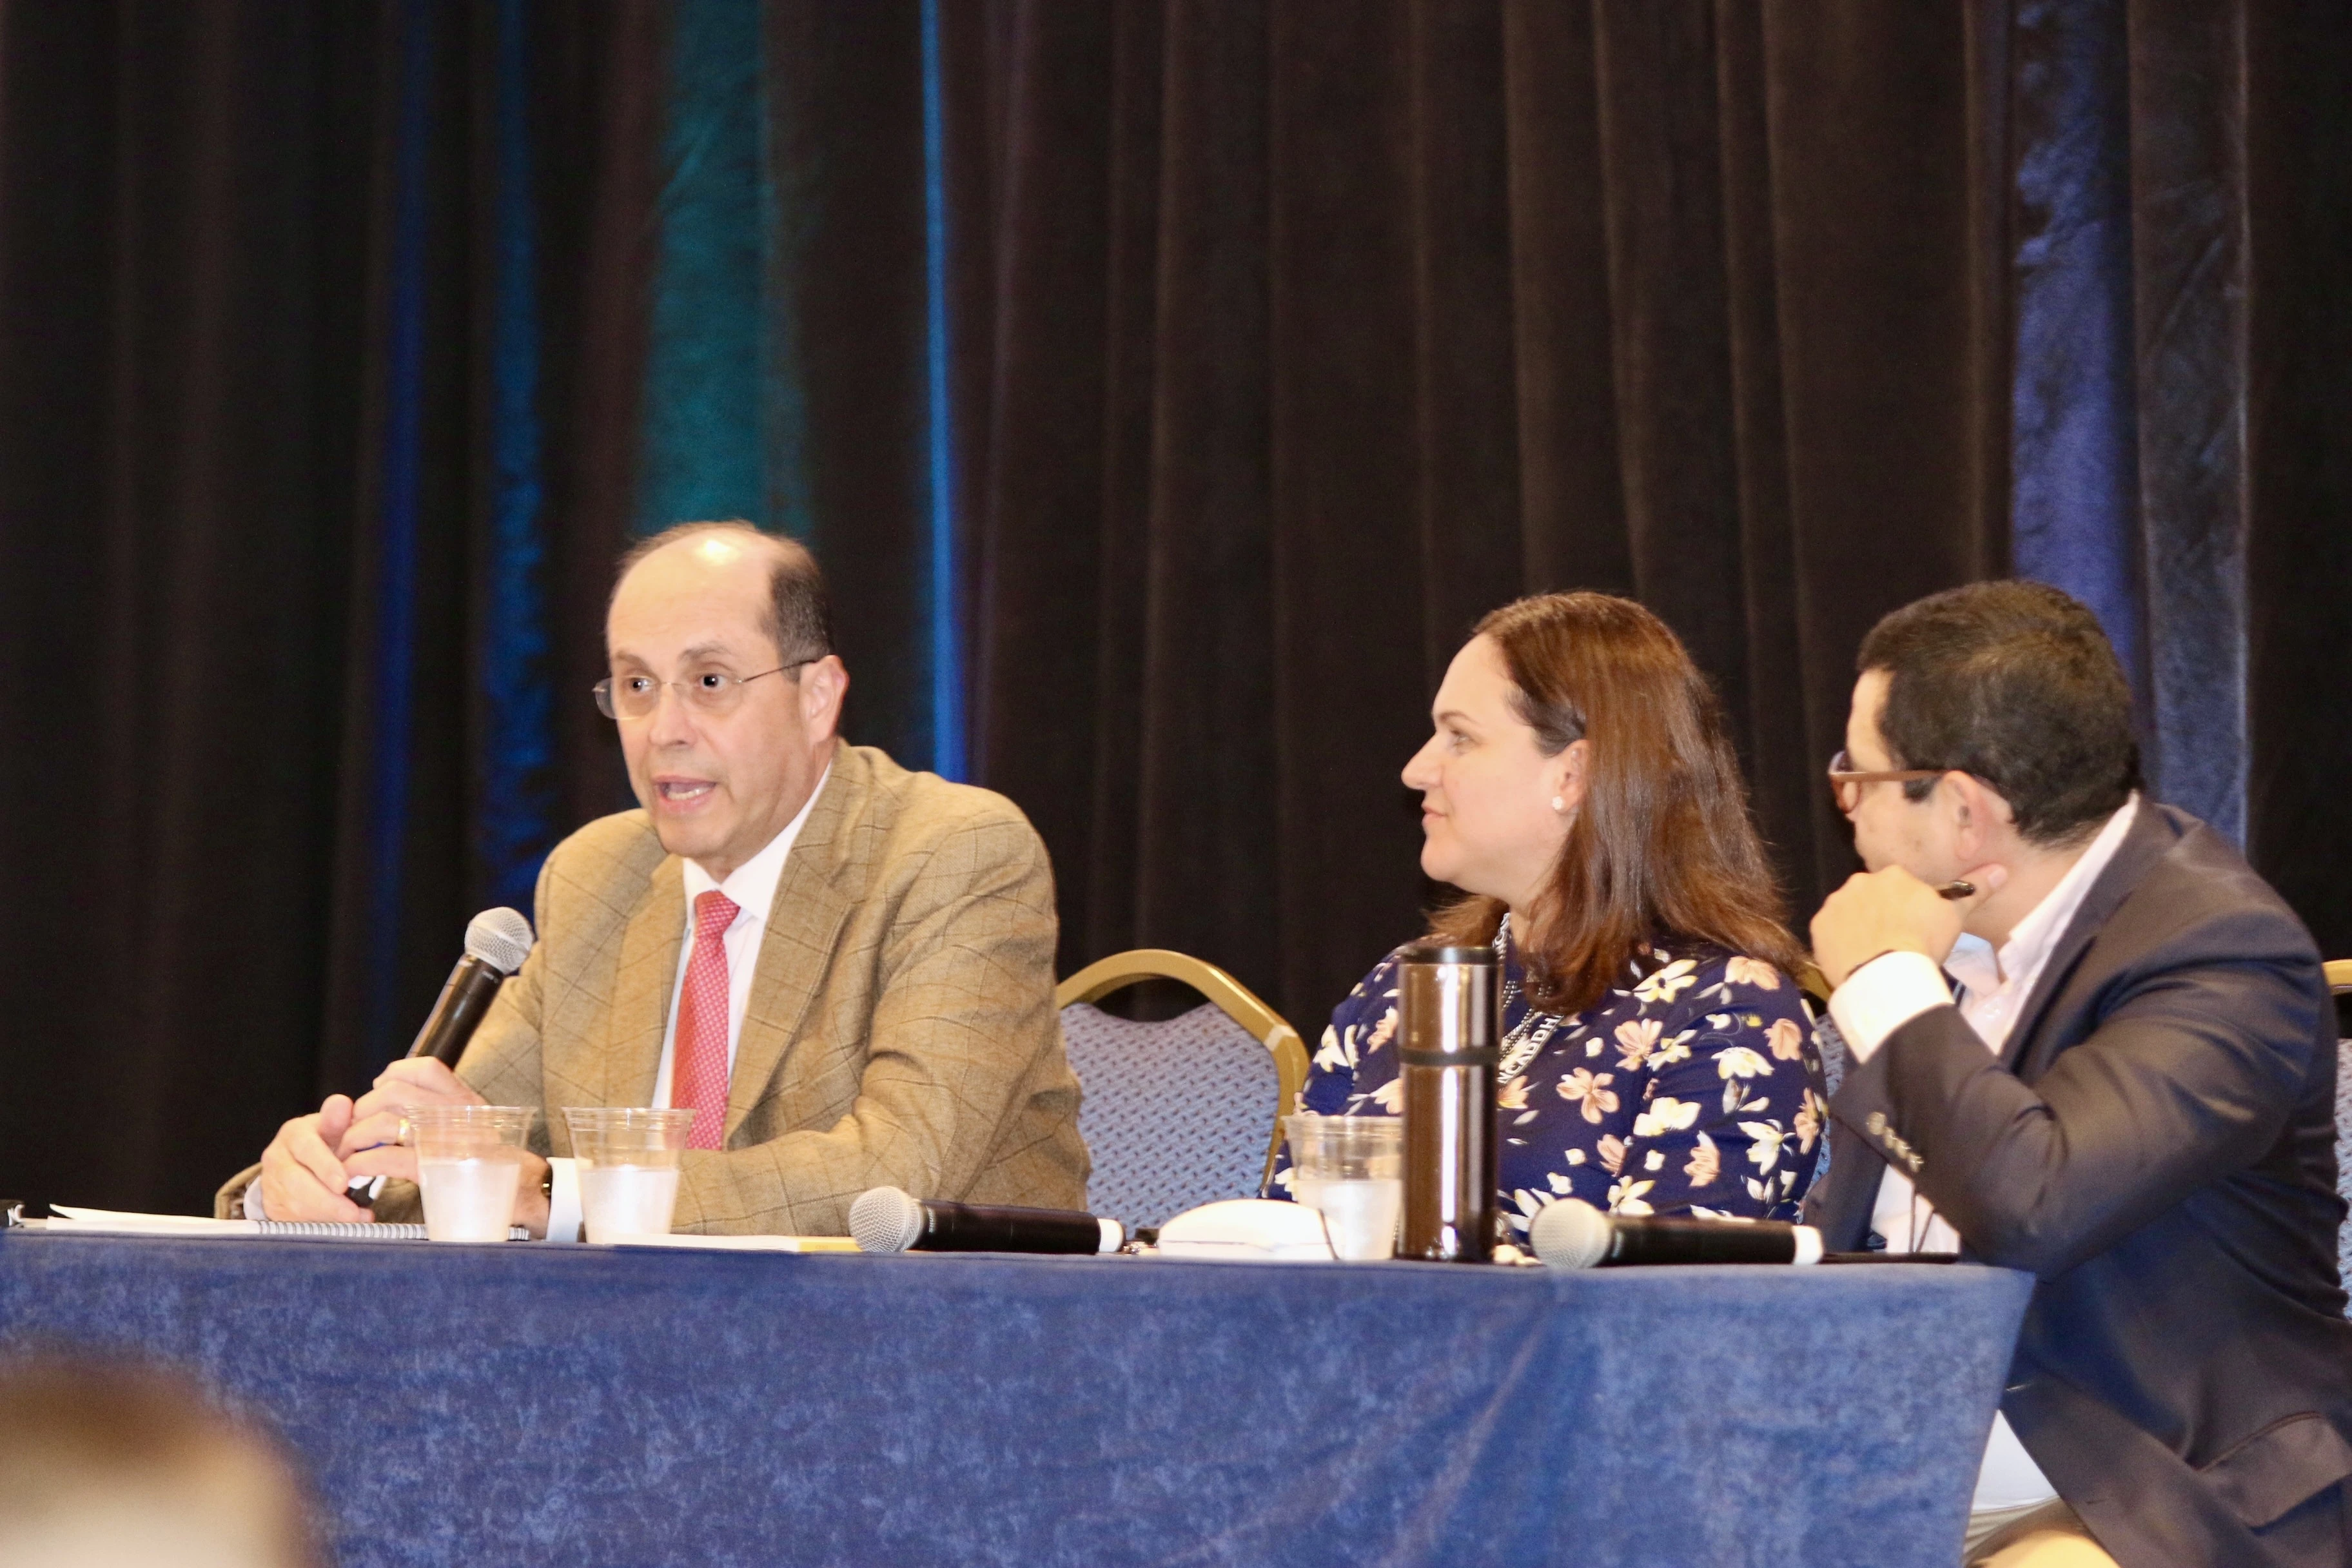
<point x="1696" y="1086"/>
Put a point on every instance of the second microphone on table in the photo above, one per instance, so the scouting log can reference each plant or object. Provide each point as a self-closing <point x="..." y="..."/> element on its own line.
<point x="885" y="1220"/>
<point x="1572" y="1234"/>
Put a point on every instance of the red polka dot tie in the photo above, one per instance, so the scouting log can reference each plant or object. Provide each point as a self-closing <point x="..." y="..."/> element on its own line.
<point x="698" y="1075"/>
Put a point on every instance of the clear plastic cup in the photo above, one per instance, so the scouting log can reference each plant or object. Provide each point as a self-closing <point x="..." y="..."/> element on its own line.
<point x="468" y="1167"/>
<point x="628" y="1167"/>
<point x="1351" y="1169"/>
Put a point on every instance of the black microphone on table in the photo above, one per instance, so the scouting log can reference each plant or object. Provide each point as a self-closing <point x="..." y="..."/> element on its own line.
<point x="1572" y="1234"/>
<point x="885" y="1220"/>
<point x="497" y="941"/>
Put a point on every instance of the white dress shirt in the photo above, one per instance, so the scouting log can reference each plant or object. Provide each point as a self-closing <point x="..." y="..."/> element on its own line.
<point x="752" y="887"/>
<point x="1895" y="988"/>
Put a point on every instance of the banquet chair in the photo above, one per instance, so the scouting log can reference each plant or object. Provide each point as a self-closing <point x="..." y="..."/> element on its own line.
<point x="1816" y="987"/>
<point x="1182" y="1111"/>
<point x="2339" y="982"/>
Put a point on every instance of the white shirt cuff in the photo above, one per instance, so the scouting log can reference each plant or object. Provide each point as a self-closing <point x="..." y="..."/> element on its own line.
<point x="1885" y="994"/>
<point x="563" y="1201"/>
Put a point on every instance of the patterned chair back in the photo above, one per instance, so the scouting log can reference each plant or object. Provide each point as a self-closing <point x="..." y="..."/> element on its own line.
<point x="1179" y="1112"/>
<point x="2344" y="1157"/>
<point x="2339" y="981"/>
<point x="1830" y="1043"/>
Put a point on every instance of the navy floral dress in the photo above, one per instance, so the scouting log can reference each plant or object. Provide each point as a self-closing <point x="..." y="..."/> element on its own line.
<point x="1696" y="1086"/>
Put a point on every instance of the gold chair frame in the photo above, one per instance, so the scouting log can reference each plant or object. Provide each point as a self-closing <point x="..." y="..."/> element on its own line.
<point x="2339" y="975"/>
<point x="1235" y="1000"/>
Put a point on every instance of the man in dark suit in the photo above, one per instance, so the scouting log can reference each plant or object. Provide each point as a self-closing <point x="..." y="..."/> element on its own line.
<point x="2111" y="1062"/>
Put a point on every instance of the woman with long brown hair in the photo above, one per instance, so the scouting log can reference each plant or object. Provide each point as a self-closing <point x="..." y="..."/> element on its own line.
<point x="1657" y="1054"/>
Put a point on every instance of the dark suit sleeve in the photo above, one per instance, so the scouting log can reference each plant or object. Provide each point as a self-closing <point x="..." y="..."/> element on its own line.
<point x="2201" y="1047"/>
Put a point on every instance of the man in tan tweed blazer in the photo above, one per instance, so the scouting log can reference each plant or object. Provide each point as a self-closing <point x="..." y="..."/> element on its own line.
<point x="899" y="1024"/>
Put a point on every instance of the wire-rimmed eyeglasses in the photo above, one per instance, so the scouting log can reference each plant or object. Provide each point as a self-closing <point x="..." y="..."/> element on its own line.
<point x="712" y="693"/>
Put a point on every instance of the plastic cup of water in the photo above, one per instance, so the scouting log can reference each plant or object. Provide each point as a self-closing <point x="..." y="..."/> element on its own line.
<point x="628" y="1167"/>
<point x="1351" y="1168"/>
<point x="468" y="1167"/>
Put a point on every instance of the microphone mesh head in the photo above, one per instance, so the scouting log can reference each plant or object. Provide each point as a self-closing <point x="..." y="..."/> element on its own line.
<point x="499" y="938"/>
<point x="1569" y="1234"/>
<point x="885" y="1220"/>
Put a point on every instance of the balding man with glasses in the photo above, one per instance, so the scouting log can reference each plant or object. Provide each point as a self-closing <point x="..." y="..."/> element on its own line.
<point x="845" y="968"/>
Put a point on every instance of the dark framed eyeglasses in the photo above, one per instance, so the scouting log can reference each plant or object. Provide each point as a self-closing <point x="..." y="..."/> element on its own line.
<point x="713" y="693"/>
<point x="1846" y="780"/>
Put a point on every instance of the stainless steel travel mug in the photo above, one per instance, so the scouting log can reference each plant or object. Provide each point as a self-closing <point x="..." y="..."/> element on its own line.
<point x="1449" y="1024"/>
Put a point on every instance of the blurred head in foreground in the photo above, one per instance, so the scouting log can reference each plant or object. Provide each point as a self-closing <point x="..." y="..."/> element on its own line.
<point x="116" y="1467"/>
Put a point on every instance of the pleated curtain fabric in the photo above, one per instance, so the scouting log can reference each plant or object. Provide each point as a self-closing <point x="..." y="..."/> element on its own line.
<point x="1322" y="330"/>
<point x="1301" y="334"/>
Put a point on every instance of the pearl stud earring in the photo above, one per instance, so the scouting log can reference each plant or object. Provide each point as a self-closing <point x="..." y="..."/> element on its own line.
<point x="1559" y="804"/>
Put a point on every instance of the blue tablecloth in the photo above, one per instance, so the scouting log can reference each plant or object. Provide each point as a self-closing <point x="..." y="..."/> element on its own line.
<point x="589" y="1406"/>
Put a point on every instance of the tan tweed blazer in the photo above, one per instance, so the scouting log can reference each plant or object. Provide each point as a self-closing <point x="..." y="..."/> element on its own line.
<point x="900" y="1029"/>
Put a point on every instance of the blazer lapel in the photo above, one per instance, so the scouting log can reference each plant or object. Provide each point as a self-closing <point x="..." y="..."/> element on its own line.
<point x="804" y="924"/>
<point x="650" y="946"/>
<point x="2144" y="844"/>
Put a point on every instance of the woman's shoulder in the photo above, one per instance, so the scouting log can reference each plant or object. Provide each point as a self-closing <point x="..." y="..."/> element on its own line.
<point x="1690" y="972"/>
<point x="1354" y="1042"/>
<point x="1727" y="1005"/>
<point x="1378" y="988"/>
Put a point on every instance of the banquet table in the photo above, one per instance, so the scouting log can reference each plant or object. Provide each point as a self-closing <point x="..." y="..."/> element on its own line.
<point x="595" y="1405"/>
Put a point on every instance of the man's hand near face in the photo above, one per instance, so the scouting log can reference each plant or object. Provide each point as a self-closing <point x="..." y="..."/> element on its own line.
<point x="1892" y="911"/>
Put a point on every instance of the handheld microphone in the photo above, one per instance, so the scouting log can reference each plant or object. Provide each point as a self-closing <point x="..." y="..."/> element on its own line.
<point x="1572" y="1234"/>
<point x="885" y="1220"/>
<point x="497" y="941"/>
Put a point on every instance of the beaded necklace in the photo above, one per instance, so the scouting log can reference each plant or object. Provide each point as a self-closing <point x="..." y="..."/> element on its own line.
<point x="1535" y="1029"/>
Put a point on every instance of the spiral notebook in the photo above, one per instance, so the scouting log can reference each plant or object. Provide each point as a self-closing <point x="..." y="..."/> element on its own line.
<point x="113" y="1222"/>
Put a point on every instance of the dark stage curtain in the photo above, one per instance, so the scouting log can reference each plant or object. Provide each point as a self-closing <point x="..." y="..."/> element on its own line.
<point x="1322" y="330"/>
<point x="2294" y="319"/>
<point x="183" y="226"/>
<point x="255" y="335"/>
<point x="342" y="349"/>
<point x="1168" y="386"/>
<point x="1317" y="329"/>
